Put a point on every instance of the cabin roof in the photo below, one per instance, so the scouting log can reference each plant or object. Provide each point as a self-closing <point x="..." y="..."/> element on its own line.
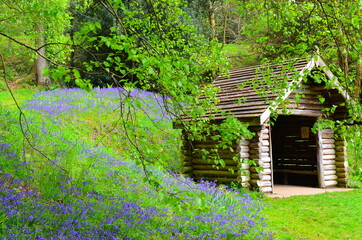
<point x="256" y="91"/>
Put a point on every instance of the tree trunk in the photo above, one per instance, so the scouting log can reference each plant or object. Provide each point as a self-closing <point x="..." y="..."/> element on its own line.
<point x="358" y="82"/>
<point x="41" y="63"/>
<point x="212" y="20"/>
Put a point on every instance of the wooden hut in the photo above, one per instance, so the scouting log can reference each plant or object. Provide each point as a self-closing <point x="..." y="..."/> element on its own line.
<point x="286" y="149"/>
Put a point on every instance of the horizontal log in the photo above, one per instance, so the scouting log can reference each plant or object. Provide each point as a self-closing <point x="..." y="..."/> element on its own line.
<point x="340" y="158"/>
<point x="327" y="136"/>
<point x="330" y="183"/>
<point x="260" y="183"/>
<point x="266" y="165"/>
<point x="265" y="143"/>
<point x="207" y="145"/>
<point x="264" y="137"/>
<point x="329" y="172"/>
<point x="254" y="145"/>
<point x="328" y="152"/>
<point x="329" y="167"/>
<point x="340" y="164"/>
<point x="265" y="177"/>
<point x="255" y="175"/>
<point x="265" y="159"/>
<point x="243" y="149"/>
<point x="266" y="189"/>
<point x="340" y="149"/>
<point x="209" y="173"/>
<point x="244" y="166"/>
<point x="341" y="174"/>
<point x="327" y="130"/>
<point x="265" y="171"/>
<point x="328" y="145"/>
<point x="219" y="180"/>
<point x="329" y="157"/>
<point x="244" y="155"/>
<point x="328" y="162"/>
<point x="330" y="177"/>
<point x="244" y="173"/>
<point x="244" y="142"/>
<point x="341" y="169"/>
<point x="340" y="143"/>
<point x="186" y="170"/>
<point x="243" y="178"/>
<point x="211" y="162"/>
<point x="342" y="180"/>
<point x="264" y="130"/>
<point x="213" y="167"/>
<point x="328" y="141"/>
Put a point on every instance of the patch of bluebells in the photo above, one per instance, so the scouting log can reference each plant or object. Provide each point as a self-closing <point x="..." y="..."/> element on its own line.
<point x="71" y="101"/>
<point x="131" y="209"/>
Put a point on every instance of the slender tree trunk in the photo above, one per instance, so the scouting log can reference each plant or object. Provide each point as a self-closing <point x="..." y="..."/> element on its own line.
<point x="226" y="15"/>
<point x="41" y="63"/>
<point x="358" y="82"/>
<point x="212" y="20"/>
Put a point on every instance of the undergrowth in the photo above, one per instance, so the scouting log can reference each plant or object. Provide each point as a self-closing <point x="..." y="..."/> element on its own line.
<point x="70" y="171"/>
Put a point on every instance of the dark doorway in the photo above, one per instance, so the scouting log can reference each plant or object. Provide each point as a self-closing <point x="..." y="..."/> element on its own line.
<point x="294" y="151"/>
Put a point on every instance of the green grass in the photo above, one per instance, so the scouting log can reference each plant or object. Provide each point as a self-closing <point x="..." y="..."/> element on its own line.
<point x="335" y="215"/>
<point x="21" y="96"/>
<point x="241" y="54"/>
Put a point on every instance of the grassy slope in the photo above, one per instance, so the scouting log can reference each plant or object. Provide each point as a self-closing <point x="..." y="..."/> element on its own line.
<point x="21" y="95"/>
<point x="323" y="216"/>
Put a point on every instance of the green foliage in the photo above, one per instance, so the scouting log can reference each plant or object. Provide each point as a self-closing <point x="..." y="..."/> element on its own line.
<point x="354" y="139"/>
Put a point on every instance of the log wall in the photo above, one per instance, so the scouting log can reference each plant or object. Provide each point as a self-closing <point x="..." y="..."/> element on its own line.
<point x="200" y="166"/>
<point x="261" y="155"/>
<point x="333" y="157"/>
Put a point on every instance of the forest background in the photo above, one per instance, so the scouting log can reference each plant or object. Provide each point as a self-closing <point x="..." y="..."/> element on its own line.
<point x="174" y="49"/>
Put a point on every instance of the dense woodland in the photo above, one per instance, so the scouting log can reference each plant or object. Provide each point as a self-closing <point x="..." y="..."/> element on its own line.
<point x="114" y="76"/>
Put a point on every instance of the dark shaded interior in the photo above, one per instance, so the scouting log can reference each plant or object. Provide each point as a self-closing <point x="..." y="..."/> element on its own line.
<point x="294" y="150"/>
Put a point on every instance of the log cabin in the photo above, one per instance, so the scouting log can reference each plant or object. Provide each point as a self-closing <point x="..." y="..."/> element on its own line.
<point x="289" y="149"/>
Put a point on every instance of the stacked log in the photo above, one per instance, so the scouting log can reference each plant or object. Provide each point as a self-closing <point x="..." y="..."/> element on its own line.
<point x="221" y="167"/>
<point x="328" y="158"/>
<point x="341" y="163"/>
<point x="260" y="154"/>
<point x="243" y="164"/>
<point x="186" y="150"/>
